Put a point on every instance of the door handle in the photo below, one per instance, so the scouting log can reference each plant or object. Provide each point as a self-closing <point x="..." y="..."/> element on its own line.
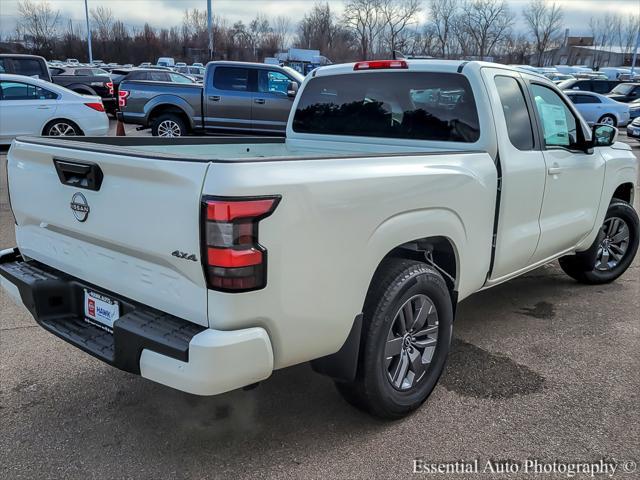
<point x="214" y="98"/>
<point x="43" y="107"/>
<point x="555" y="169"/>
<point x="261" y="101"/>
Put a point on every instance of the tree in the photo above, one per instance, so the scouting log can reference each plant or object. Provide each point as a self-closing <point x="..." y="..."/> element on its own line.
<point x="487" y="22"/>
<point x="39" y="23"/>
<point x="544" y="22"/>
<point x="363" y="18"/>
<point x="443" y="15"/>
<point x="397" y="15"/>
<point x="281" y="31"/>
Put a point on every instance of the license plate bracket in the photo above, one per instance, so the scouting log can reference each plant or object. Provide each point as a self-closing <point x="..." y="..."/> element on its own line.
<point x="100" y="310"/>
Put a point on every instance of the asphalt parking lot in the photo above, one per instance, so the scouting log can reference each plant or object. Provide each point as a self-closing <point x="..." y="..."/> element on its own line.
<point x="542" y="368"/>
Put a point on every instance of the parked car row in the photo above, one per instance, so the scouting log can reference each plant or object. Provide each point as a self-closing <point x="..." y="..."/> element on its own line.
<point x="251" y="97"/>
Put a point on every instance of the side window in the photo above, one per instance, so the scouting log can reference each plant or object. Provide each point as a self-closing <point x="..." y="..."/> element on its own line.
<point x="272" y="82"/>
<point x="3" y="68"/>
<point x="83" y="72"/>
<point x="559" y="126"/>
<point x="24" y="91"/>
<point x="231" y="78"/>
<point x="601" y="86"/>
<point x="179" y="78"/>
<point x="29" y="67"/>
<point x="588" y="99"/>
<point x="158" y="76"/>
<point x="516" y="113"/>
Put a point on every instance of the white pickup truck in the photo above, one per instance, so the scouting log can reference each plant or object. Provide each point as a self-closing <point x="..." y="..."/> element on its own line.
<point x="401" y="188"/>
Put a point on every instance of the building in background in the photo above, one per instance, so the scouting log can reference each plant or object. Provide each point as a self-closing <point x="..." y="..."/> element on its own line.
<point x="299" y="59"/>
<point x="582" y="51"/>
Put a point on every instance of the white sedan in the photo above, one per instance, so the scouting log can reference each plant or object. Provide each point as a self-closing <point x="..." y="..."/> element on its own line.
<point x="29" y="106"/>
<point x="596" y="108"/>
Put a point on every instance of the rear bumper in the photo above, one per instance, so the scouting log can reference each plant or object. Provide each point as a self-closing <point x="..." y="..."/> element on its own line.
<point x="156" y="345"/>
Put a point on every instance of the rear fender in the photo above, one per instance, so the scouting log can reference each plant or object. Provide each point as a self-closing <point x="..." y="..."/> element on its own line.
<point x="169" y="101"/>
<point x="414" y="225"/>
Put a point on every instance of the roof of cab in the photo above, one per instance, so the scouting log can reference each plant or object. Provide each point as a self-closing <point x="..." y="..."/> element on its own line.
<point x="420" y="65"/>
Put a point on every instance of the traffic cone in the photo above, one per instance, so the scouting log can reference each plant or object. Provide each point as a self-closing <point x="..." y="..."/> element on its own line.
<point x="120" y="126"/>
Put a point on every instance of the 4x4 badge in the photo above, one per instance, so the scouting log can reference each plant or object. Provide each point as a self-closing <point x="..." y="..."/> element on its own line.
<point x="80" y="207"/>
<point x="184" y="255"/>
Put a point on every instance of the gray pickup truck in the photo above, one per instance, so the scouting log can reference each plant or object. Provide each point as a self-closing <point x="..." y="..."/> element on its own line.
<point x="234" y="97"/>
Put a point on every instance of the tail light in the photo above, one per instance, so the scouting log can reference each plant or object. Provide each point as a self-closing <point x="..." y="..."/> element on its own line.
<point x="122" y="98"/>
<point x="381" y="65"/>
<point x="109" y="85"/>
<point x="233" y="259"/>
<point x="96" y="106"/>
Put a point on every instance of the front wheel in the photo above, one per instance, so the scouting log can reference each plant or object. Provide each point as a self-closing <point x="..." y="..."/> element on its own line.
<point x="168" y="125"/>
<point x="613" y="250"/>
<point x="408" y="321"/>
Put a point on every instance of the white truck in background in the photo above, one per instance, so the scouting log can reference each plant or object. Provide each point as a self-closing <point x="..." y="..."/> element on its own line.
<point x="401" y="188"/>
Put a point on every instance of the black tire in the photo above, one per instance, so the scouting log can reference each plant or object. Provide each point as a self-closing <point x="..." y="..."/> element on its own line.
<point x="608" y="118"/>
<point x="55" y="128"/>
<point x="396" y="283"/>
<point x="169" y="120"/>
<point x="587" y="267"/>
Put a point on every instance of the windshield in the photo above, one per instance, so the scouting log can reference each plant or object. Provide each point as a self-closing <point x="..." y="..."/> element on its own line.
<point x="417" y="106"/>
<point x="623" y="88"/>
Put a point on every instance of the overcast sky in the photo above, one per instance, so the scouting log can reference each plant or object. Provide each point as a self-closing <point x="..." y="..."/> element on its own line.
<point x="166" y="13"/>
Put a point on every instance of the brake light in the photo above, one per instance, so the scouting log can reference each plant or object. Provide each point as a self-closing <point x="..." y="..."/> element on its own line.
<point x="381" y="65"/>
<point x="122" y="98"/>
<point x="233" y="259"/>
<point x="98" y="107"/>
<point x="109" y="85"/>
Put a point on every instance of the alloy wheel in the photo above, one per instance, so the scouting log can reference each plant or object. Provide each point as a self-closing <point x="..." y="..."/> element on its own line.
<point x="411" y="342"/>
<point x="169" y="128"/>
<point x="62" y="129"/>
<point x="614" y="245"/>
<point x="607" y="120"/>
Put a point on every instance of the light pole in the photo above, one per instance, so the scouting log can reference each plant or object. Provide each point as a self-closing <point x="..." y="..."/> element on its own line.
<point x="635" y="54"/>
<point x="86" y="14"/>
<point x="210" y="28"/>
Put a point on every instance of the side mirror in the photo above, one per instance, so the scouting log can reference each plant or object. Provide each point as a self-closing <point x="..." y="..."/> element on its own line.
<point x="292" y="89"/>
<point x="604" y="135"/>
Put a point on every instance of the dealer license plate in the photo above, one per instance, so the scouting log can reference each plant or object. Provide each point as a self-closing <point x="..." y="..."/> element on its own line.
<point x="100" y="310"/>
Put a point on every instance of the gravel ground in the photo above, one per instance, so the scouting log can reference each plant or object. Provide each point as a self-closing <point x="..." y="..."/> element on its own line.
<point x="542" y="368"/>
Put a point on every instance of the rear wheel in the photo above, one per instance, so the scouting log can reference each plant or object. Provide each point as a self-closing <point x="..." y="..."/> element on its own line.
<point x="406" y="338"/>
<point x="608" y="120"/>
<point x="168" y="125"/>
<point x="613" y="250"/>
<point x="62" y="128"/>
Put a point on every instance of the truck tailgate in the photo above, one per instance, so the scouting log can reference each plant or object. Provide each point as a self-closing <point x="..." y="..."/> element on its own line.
<point x="124" y="236"/>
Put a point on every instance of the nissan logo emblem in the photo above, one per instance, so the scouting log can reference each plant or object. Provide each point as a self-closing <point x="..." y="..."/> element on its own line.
<point x="79" y="207"/>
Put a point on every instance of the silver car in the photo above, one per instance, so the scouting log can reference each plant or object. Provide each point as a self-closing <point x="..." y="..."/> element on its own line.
<point x="596" y="108"/>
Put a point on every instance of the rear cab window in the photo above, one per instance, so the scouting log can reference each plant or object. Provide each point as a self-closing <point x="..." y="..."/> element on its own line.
<point x="407" y="105"/>
<point x="231" y="78"/>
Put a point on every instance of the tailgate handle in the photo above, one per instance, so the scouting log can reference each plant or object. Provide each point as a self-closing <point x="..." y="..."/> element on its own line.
<point x="79" y="175"/>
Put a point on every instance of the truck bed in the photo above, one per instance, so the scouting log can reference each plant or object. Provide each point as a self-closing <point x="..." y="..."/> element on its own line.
<point x="222" y="149"/>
